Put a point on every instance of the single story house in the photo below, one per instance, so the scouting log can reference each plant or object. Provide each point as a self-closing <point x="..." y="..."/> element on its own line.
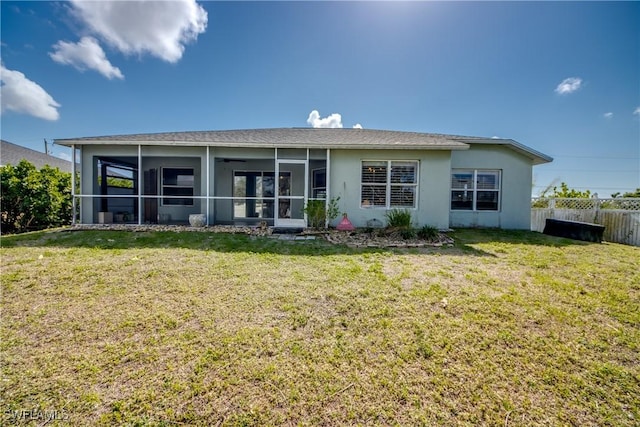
<point x="249" y="176"/>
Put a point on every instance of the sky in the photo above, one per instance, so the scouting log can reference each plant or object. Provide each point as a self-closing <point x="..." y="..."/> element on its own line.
<point x="560" y="77"/>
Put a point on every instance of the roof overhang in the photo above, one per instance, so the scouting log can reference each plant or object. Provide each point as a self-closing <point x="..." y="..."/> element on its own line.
<point x="537" y="157"/>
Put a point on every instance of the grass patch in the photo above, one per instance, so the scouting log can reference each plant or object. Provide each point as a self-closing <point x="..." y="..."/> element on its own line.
<point x="150" y="328"/>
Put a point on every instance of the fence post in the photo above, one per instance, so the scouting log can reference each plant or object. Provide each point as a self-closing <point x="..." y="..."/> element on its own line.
<point x="596" y="208"/>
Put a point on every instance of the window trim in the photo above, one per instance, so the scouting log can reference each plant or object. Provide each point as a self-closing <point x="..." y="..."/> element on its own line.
<point x="475" y="190"/>
<point x="388" y="184"/>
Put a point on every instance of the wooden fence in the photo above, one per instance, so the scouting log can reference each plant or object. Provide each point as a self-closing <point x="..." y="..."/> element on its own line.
<point x="620" y="216"/>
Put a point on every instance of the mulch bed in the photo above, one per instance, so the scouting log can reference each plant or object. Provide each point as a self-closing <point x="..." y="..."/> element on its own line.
<point x="377" y="238"/>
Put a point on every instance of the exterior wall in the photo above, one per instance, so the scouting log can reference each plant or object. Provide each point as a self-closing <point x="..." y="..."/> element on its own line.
<point x="433" y="185"/>
<point x="515" y="193"/>
<point x="434" y="181"/>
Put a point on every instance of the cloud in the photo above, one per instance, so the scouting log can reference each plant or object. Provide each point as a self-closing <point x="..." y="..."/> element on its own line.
<point x="637" y="111"/>
<point x="332" y="121"/>
<point x="569" y="85"/>
<point x="86" y="54"/>
<point x="608" y="115"/>
<point x="158" y="28"/>
<point x="21" y="95"/>
<point x="357" y="126"/>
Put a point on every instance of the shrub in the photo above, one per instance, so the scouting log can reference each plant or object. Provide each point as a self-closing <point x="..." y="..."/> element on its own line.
<point x="408" y="233"/>
<point x="399" y="218"/>
<point x="428" y="232"/>
<point x="34" y="199"/>
<point x="317" y="214"/>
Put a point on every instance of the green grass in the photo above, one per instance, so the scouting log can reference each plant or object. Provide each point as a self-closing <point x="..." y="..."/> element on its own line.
<point x="504" y="328"/>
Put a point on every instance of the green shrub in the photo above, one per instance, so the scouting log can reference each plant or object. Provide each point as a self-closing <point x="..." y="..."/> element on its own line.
<point x="408" y="233"/>
<point x="34" y="199"/>
<point x="428" y="232"/>
<point x="317" y="214"/>
<point x="399" y="218"/>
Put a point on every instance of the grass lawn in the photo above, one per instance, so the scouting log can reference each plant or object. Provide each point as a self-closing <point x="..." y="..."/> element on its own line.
<point x="504" y="328"/>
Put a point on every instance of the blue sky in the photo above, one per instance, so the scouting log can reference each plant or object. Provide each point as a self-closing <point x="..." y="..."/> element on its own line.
<point x="560" y="77"/>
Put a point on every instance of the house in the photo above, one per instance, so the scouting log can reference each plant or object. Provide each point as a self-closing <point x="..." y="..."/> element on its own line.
<point x="249" y="176"/>
<point x="11" y="154"/>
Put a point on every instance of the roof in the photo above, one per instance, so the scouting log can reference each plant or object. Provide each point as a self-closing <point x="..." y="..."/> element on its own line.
<point x="305" y="138"/>
<point x="11" y="154"/>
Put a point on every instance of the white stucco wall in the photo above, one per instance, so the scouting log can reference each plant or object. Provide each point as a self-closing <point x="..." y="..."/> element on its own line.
<point x="515" y="194"/>
<point x="433" y="185"/>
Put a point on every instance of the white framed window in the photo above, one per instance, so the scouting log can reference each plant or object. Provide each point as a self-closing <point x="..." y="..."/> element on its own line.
<point x="475" y="189"/>
<point x="178" y="184"/>
<point x="388" y="184"/>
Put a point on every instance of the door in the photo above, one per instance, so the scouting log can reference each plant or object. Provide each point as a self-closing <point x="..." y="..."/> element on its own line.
<point x="292" y="193"/>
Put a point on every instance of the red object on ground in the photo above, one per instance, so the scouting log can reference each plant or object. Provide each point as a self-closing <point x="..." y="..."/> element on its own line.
<point x="345" y="224"/>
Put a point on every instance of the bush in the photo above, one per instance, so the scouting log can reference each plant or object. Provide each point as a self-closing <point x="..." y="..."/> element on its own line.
<point x="317" y="215"/>
<point x="34" y="199"/>
<point x="408" y="233"/>
<point x="398" y="218"/>
<point x="428" y="232"/>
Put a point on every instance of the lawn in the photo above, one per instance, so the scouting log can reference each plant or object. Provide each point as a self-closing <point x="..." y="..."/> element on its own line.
<point x="504" y="328"/>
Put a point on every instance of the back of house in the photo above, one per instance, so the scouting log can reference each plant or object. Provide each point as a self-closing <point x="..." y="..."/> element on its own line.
<point x="245" y="177"/>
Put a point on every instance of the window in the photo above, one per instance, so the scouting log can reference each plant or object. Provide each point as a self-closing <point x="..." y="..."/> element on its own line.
<point x="177" y="184"/>
<point x="475" y="190"/>
<point x="319" y="183"/>
<point x="389" y="184"/>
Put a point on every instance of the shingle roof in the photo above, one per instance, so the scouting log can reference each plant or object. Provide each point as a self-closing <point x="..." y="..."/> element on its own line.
<point x="11" y="154"/>
<point x="307" y="138"/>
<point x="285" y="137"/>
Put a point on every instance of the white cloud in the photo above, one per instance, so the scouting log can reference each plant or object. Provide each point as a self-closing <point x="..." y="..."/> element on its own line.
<point x="332" y="121"/>
<point x="86" y="54"/>
<point x="357" y="126"/>
<point x="158" y="28"/>
<point x="569" y="85"/>
<point x="608" y="115"/>
<point x="637" y="111"/>
<point x="25" y="96"/>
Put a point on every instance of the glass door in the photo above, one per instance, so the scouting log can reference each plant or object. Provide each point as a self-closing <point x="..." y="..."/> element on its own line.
<point x="291" y="194"/>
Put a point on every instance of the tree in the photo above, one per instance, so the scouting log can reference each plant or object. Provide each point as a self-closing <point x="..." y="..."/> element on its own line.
<point x="635" y="194"/>
<point x="34" y="199"/>
<point x="566" y="192"/>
